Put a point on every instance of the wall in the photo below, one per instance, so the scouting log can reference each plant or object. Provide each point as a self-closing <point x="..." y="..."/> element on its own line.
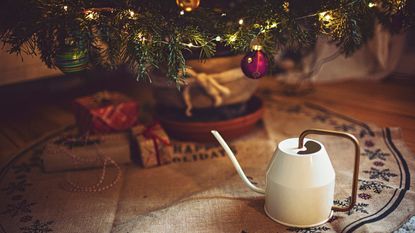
<point x="13" y="70"/>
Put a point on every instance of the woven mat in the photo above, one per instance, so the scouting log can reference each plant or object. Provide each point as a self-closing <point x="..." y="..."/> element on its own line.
<point x="201" y="191"/>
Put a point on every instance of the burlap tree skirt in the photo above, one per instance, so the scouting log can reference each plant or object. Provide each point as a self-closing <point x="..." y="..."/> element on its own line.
<point x="201" y="192"/>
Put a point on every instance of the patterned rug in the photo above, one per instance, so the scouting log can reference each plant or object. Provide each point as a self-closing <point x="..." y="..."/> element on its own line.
<point x="201" y="192"/>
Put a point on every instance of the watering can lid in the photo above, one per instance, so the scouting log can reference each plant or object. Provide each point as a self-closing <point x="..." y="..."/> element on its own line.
<point x="290" y="147"/>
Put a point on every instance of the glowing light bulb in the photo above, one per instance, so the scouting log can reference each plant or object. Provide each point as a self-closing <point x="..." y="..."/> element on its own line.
<point x="272" y="25"/>
<point x="327" y="17"/>
<point x="232" y="38"/>
<point x="330" y="21"/>
<point x="218" y="38"/>
<point x="131" y="13"/>
<point x="91" y="15"/>
<point x="286" y="6"/>
<point x="371" y="4"/>
<point x="140" y="37"/>
<point x="241" y="21"/>
<point x="182" y="12"/>
<point x="65" y="8"/>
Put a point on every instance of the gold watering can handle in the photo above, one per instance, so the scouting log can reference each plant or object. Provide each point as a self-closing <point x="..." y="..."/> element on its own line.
<point x="356" y="159"/>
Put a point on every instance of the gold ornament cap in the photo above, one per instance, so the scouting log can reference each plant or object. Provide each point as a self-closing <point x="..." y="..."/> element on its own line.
<point x="188" y="5"/>
<point x="255" y="45"/>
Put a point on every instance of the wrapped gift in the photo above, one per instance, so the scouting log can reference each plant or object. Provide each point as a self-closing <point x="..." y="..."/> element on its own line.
<point x="68" y="152"/>
<point x="152" y="144"/>
<point x="105" y="112"/>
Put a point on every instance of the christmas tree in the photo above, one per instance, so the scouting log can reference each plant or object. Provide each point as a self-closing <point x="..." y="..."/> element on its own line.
<point x="162" y="34"/>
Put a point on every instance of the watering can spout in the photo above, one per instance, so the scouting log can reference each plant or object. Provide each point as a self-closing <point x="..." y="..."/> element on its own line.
<point x="235" y="163"/>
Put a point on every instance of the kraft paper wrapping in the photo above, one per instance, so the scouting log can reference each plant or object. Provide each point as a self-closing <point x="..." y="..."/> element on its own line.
<point x="71" y="153"/>
<point x="214" y="82"/>
<point x="152" y="145"/>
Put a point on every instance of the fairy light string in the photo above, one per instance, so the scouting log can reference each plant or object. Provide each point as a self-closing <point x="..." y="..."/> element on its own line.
<point x="146" y="36"/>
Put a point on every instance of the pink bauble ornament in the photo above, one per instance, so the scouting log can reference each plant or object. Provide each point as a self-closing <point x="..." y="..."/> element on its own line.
<point x="255" y="64"/>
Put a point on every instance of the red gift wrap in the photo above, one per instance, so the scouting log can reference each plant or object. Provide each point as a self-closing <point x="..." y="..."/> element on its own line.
<point x="153" y="145"/>
<point x="105" y="112"/>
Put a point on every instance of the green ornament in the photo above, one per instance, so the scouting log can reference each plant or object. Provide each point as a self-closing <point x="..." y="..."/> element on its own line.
<point x="72" y="59"/>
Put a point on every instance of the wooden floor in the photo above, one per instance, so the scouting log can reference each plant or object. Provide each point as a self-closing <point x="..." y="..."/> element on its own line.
<point x="387" y="103"/>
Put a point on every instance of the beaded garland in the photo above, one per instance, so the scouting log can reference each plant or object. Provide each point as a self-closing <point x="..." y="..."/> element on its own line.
<point x="97" y="187"/>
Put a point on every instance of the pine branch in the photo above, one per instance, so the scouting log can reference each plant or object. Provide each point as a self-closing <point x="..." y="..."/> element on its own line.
<point x="148" y="35"/>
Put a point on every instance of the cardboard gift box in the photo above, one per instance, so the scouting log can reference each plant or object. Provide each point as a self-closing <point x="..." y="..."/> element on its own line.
<point x="152" y="145"/>
<point x="68" y="152"/>
<point x="105" y="112"/>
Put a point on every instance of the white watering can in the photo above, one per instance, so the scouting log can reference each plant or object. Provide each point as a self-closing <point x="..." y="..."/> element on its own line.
<point x="300" y="180"/>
